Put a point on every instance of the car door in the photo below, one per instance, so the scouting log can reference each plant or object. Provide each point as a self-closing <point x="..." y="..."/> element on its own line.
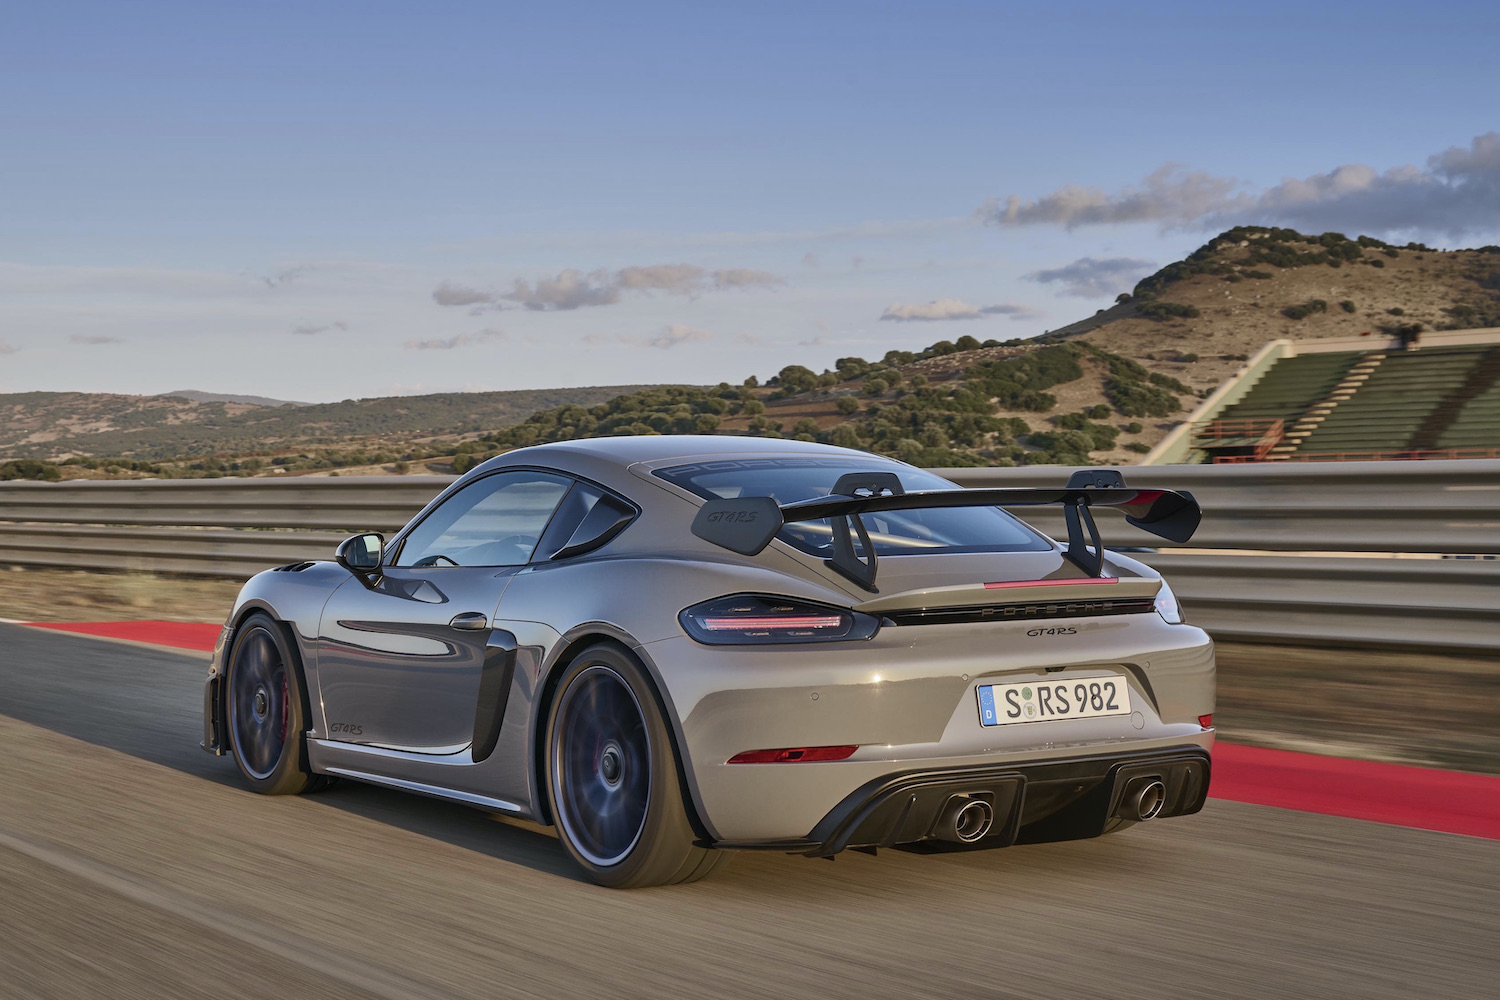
<point x="401" y="655"/>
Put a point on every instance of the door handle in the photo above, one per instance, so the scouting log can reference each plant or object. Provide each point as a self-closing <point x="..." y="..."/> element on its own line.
<point x="471" y="621"/>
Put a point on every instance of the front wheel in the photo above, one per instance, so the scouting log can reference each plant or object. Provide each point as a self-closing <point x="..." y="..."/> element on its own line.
<point x="612" y="777"/>
<point x="263" y="705"/>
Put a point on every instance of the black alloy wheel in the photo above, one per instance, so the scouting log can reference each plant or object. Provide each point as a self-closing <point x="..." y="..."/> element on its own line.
<point x="263" y="706"/>
<point x="613" y="779"/>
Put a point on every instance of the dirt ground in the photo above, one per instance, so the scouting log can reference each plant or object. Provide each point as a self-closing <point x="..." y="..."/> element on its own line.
<point x="1411" y="708"/>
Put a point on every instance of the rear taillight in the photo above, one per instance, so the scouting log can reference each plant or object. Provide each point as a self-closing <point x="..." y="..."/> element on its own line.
<point x="754" y="619"/>
<point x="1167" y="606"/>
<point x="793" y="755"/>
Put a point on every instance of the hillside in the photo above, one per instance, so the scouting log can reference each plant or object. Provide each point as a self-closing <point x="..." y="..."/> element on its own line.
<point x="1102" y="390"/>
<point x="57" y="424"/>
<point x="1251" y="284"/>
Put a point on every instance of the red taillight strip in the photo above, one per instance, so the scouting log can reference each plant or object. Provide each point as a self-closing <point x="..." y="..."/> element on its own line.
<point x="1007" y="585"/>
<point x="1144" y="496"/>
<point x="792" y="755"/>
<point x="739" y="624"/>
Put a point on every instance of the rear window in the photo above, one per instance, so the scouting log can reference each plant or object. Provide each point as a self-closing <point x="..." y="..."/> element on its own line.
<point x="893" y="533"/>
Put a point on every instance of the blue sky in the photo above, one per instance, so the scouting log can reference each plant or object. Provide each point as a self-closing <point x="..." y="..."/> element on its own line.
<point x="275" y="198"/>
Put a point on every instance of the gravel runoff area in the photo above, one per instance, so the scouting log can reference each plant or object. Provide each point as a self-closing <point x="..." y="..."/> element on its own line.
<point x="1401" y="707"/>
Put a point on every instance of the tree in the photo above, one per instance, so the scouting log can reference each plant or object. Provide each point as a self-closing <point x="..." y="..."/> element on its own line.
<point x="795" y="378"/>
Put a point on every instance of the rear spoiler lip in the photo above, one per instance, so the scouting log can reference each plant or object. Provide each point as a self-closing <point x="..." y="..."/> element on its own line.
<point x="747" y="524"/>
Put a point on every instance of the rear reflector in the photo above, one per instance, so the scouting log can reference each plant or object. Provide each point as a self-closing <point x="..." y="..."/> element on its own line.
<point x="1206" y="721"/>
<point x="792" y="754"/>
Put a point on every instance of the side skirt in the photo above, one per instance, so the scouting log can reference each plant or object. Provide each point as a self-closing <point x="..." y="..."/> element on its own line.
<point x="433" y="791"/>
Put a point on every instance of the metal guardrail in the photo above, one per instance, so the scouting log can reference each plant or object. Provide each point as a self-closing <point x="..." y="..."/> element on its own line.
<point x="236" y="527"/>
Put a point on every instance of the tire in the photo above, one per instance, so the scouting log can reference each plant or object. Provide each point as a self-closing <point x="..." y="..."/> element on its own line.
<point x="263" y="710"/>
<point x="612" y="777"/>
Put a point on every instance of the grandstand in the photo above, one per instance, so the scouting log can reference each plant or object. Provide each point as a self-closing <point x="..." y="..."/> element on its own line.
<point x="1322" y="401"/>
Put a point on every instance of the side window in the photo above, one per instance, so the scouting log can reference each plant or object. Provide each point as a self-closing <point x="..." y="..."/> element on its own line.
<point x="494" y="521"/>
<point x="587" y="519"/>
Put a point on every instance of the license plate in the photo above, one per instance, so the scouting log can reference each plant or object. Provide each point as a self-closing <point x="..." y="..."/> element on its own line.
<point x="1049" y="701"/>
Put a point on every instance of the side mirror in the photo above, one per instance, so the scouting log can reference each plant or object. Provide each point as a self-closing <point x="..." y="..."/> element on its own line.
<point x="361" y="553"/>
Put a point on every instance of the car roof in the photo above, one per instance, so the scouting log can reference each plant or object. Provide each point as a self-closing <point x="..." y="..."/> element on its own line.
<point x="628" y="450"/>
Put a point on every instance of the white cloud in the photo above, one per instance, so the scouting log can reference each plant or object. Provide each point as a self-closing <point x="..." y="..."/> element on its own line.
<point x="744" y="277"/>
<point x="677" y="279"/>
<point x="1095" y="277"/>
<point x="677" y="333"/>
<point x="573" y="289"/>
<point x="310" y="331"/>
<point x="1167" y="195"/>
<point x="1455" y="194"/>
<point x="450" y="294"/>
<point x="947" y="309"/>
<point x="94" y="338"/>
<point x="285" y="276"/>
<point x="458" y="340"/>
<point x="1014" y="310"/>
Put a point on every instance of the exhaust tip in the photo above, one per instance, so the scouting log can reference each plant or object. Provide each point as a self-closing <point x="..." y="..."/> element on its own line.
<point x="1143" y="799"/>
<point x="965" y="819"/>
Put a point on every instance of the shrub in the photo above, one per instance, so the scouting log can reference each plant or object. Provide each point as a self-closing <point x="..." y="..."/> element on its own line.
<point x="1305" y="310"/>
<point x="875" y="386"/>
<point x="1167" y="381"/>
<point x="845" y="436"/>
<point x="967" y="343"/>
<point x="1377" y="263"/>
<point x="1258" y="275"/>
<point x="1100" y="412"/>
<point x="30" y="468"/>
<point x="1396" y="311"/>
<point x="1167" y="310"/>
<point x="1134" y="427"/>
<point x="846" y="404"/>
<point x="1135" y="399"/>
<point x="1347" y="305"/>
<point x="1137" y="447"/>
<point x="753" y="407"/>
<point x="806" y="425"/>
<point x="1187" y="357"/>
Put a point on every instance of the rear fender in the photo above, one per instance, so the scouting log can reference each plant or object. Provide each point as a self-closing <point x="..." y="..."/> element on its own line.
<point x="573" y="642"/>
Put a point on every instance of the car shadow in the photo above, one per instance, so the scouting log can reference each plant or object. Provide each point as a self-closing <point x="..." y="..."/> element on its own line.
<point x="147" y="703"/>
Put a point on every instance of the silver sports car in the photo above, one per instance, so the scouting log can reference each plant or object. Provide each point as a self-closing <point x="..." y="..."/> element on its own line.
<point x="674" y="648"/>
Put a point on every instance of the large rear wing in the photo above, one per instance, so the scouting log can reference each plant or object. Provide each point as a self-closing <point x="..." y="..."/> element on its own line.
<point x="747" y="524"/>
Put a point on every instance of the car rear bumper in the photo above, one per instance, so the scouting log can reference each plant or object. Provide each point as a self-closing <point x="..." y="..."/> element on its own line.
<point x="908" y="701"/>
<point x="1032" y="802"/>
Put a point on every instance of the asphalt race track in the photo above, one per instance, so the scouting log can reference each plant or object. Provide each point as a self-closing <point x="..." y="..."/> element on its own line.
<point x="132" y="864"/>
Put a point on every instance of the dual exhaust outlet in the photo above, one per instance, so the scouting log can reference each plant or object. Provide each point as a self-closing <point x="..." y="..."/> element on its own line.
<point x="967" y="818"/>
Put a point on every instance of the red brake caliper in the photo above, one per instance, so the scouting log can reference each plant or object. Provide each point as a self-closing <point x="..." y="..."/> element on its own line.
<point x="285" y="708"/>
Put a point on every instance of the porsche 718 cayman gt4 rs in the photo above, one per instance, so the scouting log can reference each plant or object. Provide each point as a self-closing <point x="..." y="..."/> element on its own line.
<point x="674" y="648"/>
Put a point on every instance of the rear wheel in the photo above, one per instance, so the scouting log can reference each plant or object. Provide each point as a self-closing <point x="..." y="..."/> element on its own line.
<point x="263" y="705"/>
<point x="612" y="777"/>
